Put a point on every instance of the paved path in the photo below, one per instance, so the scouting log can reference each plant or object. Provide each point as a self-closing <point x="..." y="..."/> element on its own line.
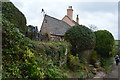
<point x="115" y="73"/>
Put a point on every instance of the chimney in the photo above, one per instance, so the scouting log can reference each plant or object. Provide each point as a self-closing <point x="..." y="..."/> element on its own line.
<point x="70" y="12"/>
<point x="77" y="19"/>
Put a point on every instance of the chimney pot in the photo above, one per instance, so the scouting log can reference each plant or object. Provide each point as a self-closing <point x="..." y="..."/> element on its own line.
<point x="77" y="16"/>
<point x="70" y="12"/>
<point x="70" y="7"/>
<point x="77" y="19"/>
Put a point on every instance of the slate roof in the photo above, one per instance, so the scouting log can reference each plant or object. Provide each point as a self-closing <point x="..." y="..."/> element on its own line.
<point x="75" y="22"/>
<point x="56" y="26"/>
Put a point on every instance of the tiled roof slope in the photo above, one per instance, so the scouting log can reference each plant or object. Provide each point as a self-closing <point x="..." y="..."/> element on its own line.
<point x="56" y="27"/>
<point x="75" y="22"/>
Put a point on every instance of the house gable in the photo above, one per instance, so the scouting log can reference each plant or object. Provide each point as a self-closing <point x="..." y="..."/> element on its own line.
<point x="53" y="27"/>
<point x="68" y="21"/>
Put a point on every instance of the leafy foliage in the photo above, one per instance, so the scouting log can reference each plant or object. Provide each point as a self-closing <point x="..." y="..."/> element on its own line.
<point x="104" y="43"/>
<point x="33" y="32"/>
<point x="106" y="63"/>
<point x="13" y="15"/>
<point x="84" y="71"/>
<point x="73" y="62"/>
<point x="23" y="58"/>
<point x="80" y="37"/>
<point x="54" y="72"/>
<point x="57" y="51"/>
<point x="94" y="57"/>
<point x="17" y="55"/>
<point x="21" y="55"/>
<point x="50" y="56"/>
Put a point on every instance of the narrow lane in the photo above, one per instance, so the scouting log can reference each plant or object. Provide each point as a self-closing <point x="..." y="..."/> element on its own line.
<point x="115" y="73"/>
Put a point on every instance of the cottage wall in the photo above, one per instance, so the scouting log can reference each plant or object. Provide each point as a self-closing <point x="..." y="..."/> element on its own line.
<point x="68" y="21"/>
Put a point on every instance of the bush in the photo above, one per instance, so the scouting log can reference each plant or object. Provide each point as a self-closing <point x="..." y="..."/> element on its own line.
<point x="54" y="72"/>
<point x="13" y="15"/>
<point x="57" y="51"/>
<point x="23" y="58"/>
<point x="106" y="63"/>
<point x="73" y="62"/>
<point x="81" y="38"/>
<point x="94" y="57"/>
<point x="104" y="43"/>
<point x="18" y="59"/>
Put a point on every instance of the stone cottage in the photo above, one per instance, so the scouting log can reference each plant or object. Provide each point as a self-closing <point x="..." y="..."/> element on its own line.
<point x="54" y="29"/>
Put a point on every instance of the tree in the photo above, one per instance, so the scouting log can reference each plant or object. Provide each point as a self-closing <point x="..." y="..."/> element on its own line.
<point x="93" y="27"/>
<point x="81" y="38"/>
<point x="32" y="32"/>
<point x="15" y="16"/>
<point x="104" y="42"/>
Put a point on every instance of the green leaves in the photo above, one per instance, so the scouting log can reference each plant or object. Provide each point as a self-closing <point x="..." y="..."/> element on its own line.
<point x="18" y="59"/>
<point x="80" y="37"/>
<point x="54" y="72"/>
<point x="14" y="16"/>
<point x="73" y="62"/>
<point x="104" y="42"/>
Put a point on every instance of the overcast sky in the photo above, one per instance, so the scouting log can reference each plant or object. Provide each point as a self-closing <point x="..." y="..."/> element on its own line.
<point x="104" y="15"/>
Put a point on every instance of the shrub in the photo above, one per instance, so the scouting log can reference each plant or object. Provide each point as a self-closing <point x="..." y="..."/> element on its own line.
<point x="73" y="62"/>
<point x="94" y="57"/>
<point x="13" y="15"/>
<point x="18" y="59"/>
<point x="54" y="72"/>
<point x="81" y="38"/>
<point x="104" y="43"/>
<point x="57" y="51"/>
<point x="106" y="63"/>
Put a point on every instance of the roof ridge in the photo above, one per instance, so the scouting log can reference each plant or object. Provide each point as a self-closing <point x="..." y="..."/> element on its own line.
<point x="75" y="22"/>
<point x="56" y="26"/>
<point x="68" y="17"/>
<point x="65" y="22"/>
<point x="57" y="19"/>
<point x="52" y="17"/>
